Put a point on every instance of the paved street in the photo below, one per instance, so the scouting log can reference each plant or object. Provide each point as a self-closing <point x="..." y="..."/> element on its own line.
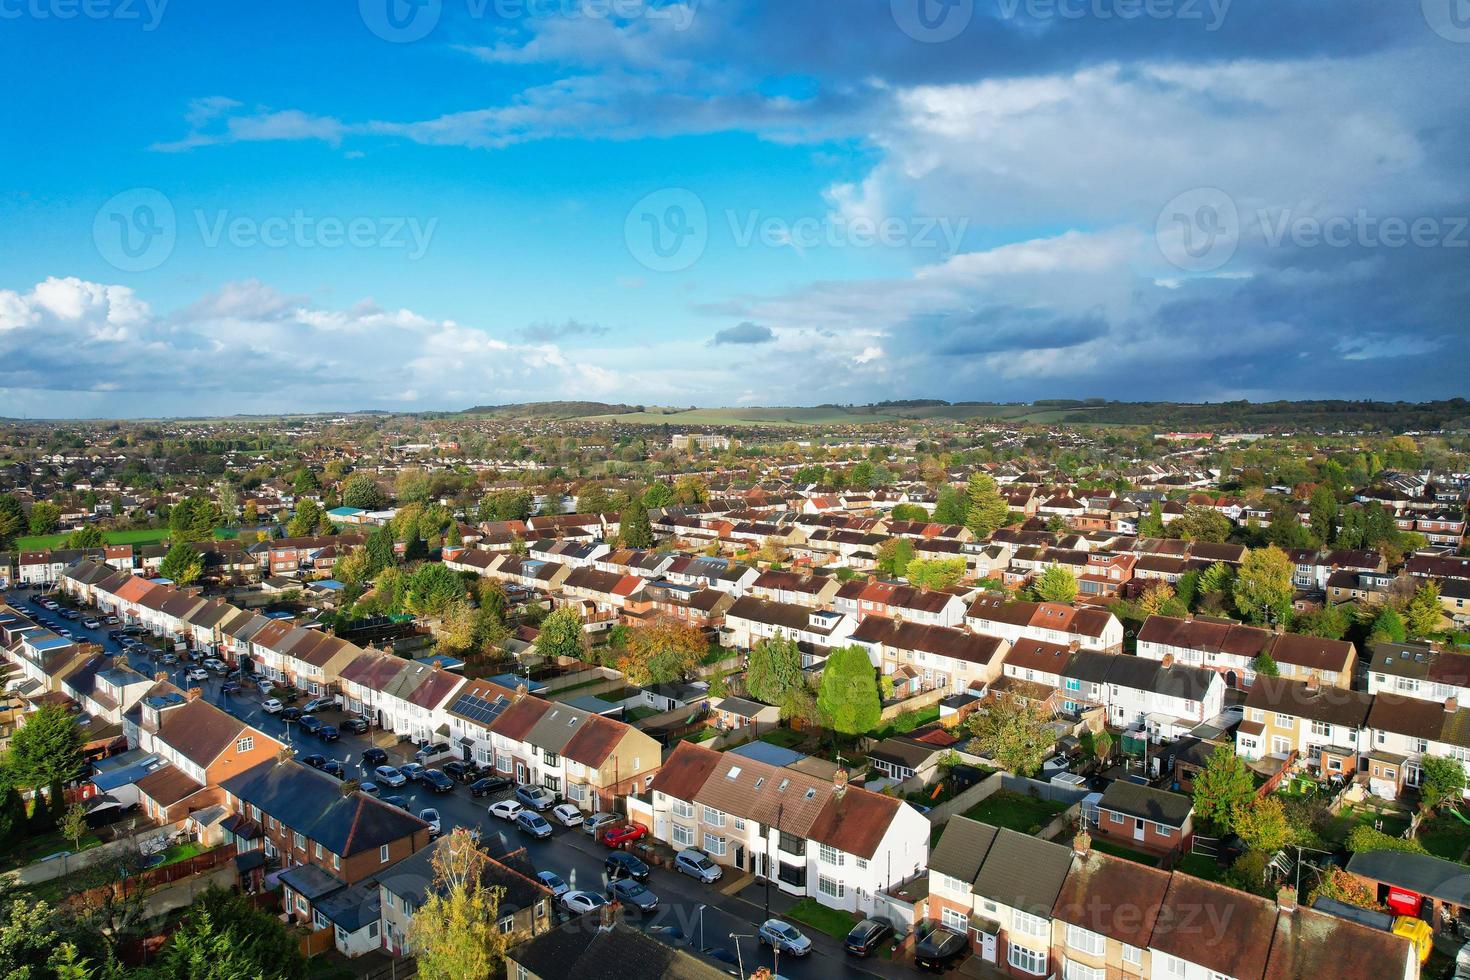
<point x="698" y="912"/>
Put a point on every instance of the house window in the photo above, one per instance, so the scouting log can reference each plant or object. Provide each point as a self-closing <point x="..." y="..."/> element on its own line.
<point x="1162" y="830"/>
<point x="316" y="850"/>
<point x="299" y="841"/>
<point x="245" y="744"/>
<point x="1132" y="955"/>
<point x="830" y="855"/>
<point x="862" y="863"/>
<point x="1030" y="925"/>
<point x="1085" y="940"/>
<point x="507" y="924"/>
<point x="336" y="862"/>
<point x="954" y="920"/>
<point x="1026" y="960"/>
<point x="739" y="823"/>
<point x="682" y="809"/>
<point x="714" y="845"/>
<point x="1175" y="967"/>
<point x="1115" y="817"/>
<point x="1081" y="971"/>
<point x="1322" y="729"/>
<point x="713" y="817"/>
<point x="683" y="836"/>
<point x="829" y="887"/>
<point x="383" y="854"/>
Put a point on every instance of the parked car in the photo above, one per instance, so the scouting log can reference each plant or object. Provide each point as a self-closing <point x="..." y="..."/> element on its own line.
<point x="624" y="865"/>
<point x="334" y="768"/>
<point x="696" y="865"/>
<point x="506" y="809"/>
<point x="229" y="687"/>
<point x="461" y="772"/>
<point x="567" y="813"/>
<point x="430" y="816"/>
<point x="940" y="950"/>
<point x="319" y="704"/>
<point x="434" y="752"/>
<point x="533" y="823"/>
<point x="374" y="757"/>
<point x="389" y="776"/>
<point x="580" y="902"/>
<point x="868" y="936"/>
<point x="397" y="801"/>
<point x="592" y="824"/>
<point x="357" y="726"/>
<point x="110" y="620"/>
<point x="309" y="723"/>
<point x="167" y="659"/>
<point x="785" y="937"/>
<point x="488" y="785"/>
<point x="436" y="781"/>
<point x="272" y="706"/>
<point x="291" y="714"/>
<point x="328" y="733"/>
<point x="553" y="883"/>
<point x="315" y="760"/>
<point x="536" y="797"/>
<point x="91" y="624"/>
<point x="215" y="664"/>
<point x="412" y="771"/>
<point x="198" y="674"/>
<point x="621" y="834"/>
<point x="633" y="893"/>
<point x="370" y="788"/>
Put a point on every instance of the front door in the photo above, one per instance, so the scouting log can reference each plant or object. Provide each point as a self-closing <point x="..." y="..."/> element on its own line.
<point x="740" y="856"/>
<point x="1138" y="829"/>
<point x="987" y="947"/>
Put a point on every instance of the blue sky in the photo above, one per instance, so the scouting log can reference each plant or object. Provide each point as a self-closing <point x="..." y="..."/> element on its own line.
<point x="429" y="204"/>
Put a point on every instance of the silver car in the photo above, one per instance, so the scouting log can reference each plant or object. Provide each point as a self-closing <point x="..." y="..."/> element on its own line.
<point x="696" y="865"/>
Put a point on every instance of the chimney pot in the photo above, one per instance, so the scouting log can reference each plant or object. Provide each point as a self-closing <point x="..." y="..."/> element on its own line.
<point x="194" y="693"/>
<point x="1286" y="899"/>
<point x="1082" y="844"/>
<point x="1451" y="705"/>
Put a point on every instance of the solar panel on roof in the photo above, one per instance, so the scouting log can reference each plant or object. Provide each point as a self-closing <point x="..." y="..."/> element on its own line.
<point x="479" y="709"/>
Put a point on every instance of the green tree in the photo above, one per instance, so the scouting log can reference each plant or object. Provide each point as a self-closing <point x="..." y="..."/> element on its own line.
<point x="848" y="696"/>
<point x="935" y="573"/>
<point x="183" y="564"/>
<point x="309" y="519"/>
<point x="663" y="651"/>
<point x="47" y="749"/>
<point x="1389" y="626"/>
<point x="1265" y="665"/>
<point x="1442" y="780"/>
<point x="690" y="489"/>
<point x="774" y="669"/>
<point x="380" y="553"/>
<point x="1263" y="588"/>
<point x="658" y="494"/>
<point x="949" y="506"/>
<point x="1364" y="838"/>
<point x="1056" y="584"/>
<point x="226" y="937"/>
<point x="987" y="510"/>
<point x="86" y="537"/>
<point x="1152" y="524"/>
<point x="1324" y="510"/>
<point x="12" y="519"/>
<point x="1219" y="578"/>
<point x="634" y="526"/>
<point x="1012" y="731"/>
<point x="1200" y="524"/>
<point x="1423" y="613"/>
<point x="1262" y="825"/>
<point x="894" y="556"/>
<point x="1223" y="788"/>
<point x="562" y="636"/>
<point x="432" y="589"/>
<point x="45" y="517"/>
<point x="12" y="808"/>
<point x="362" y="491"/>
<point x="455" y="932"/>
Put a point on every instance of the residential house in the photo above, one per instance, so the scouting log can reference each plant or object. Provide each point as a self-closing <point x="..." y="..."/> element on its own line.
<point x="861" y="598"/>
<point x="1231" y="649"/>
<point x="609" y="951"/>
<point x="1144" y="818"/>
<point x="1049" y="622"/>
<point x="750" y="620"/>
<point x="921" y="657"/>
<point x="1326" y="727"/>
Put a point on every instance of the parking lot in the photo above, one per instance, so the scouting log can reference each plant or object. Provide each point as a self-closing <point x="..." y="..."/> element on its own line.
<point x="701" y="914"/>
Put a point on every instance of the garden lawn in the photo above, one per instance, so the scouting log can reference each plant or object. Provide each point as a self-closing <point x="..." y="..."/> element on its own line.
<point x="1127" y="853"/>
<point x="1026" y="814"/>
<point x="181" y="852"/>
<point x="1394" y="822"/>
<point x="1198" y="865"/>
<point x="1445" y="836"/>
<point x="32" y="849"/>
<point x="813" y="913"/>
<point x="784" y="737"/>
<point x="907" y="722"/>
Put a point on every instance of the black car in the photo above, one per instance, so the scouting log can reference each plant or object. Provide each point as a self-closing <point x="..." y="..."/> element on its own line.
<point x="868" y="936"/>
<point x="621" y="864"/>
<point x="374" y="757"/>
<point x="461" y="772"/>
<point x="436" y="781"/>
<point x="315" y="760"/>
<point x="940" y="950"/>
<point x="334" y="768"/>
<point x="397" y="801"/>
<point x="488" y="785"/>
<point x="229" y="687"/>
<point x="357" y="726"/>
<point x="309" y="723"/>
<point x="291" y="714"/>
<point x="328" y="733"/>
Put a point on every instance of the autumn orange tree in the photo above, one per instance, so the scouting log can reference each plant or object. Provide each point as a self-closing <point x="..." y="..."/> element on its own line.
<point x="662" y="651"/>
<point x="455" y="933"/>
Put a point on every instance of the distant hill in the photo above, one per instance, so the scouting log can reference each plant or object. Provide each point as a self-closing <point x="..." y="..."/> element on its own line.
<point x="560" y="410"/>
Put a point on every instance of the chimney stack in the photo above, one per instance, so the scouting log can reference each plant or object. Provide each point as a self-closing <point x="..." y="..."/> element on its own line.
<point x="1451" y="705"/>
<point x="839" y="783"/>
<point x="520" y="690"/>
<point x="1168" y="660"/>
<point x="607" y="917"/>
<point x="194" y="693"/>
<point x="1082" y="844"/>
<point x="1312" y="683"/>
<point x="1286" y="899"/>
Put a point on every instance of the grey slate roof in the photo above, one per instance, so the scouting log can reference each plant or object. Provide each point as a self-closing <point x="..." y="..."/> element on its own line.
<point x="1146" y="802"/>
<point x="616" y="953"/>
<point x="962" y="848"/>
<point x="1024" y="872"/>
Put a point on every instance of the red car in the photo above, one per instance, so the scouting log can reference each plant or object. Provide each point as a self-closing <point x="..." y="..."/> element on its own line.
<point x="620" y="834"/>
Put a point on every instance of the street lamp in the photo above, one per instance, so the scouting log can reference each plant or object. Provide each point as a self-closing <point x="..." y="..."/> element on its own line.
<point x="739" y="957"/>
<point x="701" y="927"/>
